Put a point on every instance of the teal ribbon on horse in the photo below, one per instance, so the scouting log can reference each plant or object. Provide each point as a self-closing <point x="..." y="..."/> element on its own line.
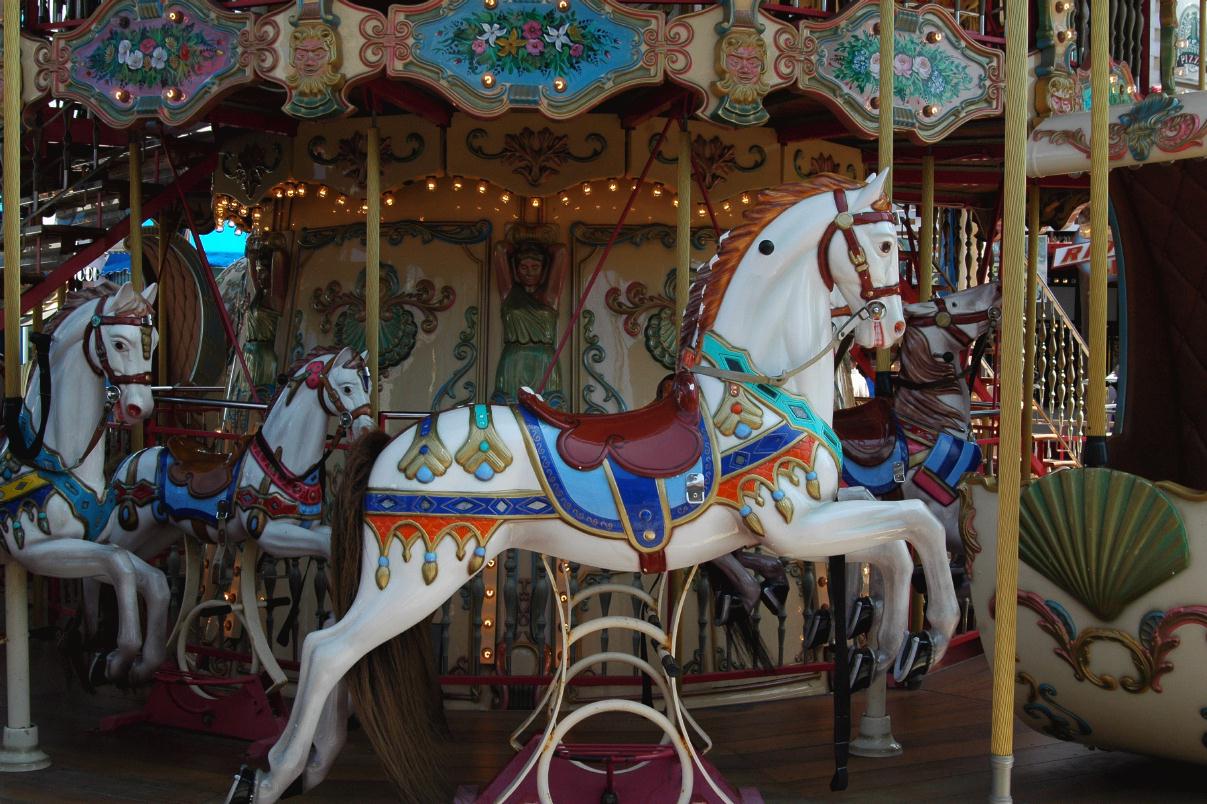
<point x="795" y="410"/>
<point x="92" y="511"/>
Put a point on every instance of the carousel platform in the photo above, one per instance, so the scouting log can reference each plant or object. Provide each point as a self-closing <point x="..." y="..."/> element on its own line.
<point x="781" y="749"/>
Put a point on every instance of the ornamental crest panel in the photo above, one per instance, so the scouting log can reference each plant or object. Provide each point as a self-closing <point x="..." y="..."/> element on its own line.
<point x="561" y="58"/>
<point x="164" y="58"/>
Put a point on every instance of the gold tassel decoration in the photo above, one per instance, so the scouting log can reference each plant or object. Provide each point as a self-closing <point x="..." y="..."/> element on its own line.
<point x="752" y="521"/>
<point x="427" y="458"/>
<point x="483" y="454"/>
<point x="429" y="569"/>
<point x="738" y="413"/>
<point x="383" y="577"/>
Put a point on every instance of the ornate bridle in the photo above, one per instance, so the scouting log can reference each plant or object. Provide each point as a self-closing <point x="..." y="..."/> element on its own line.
<point x="28" y="452"/>
<point x="845" y="222"/>
<point x="950" y="322"/>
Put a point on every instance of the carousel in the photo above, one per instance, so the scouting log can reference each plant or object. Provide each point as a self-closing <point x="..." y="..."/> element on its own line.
<point x="727" y="402"/>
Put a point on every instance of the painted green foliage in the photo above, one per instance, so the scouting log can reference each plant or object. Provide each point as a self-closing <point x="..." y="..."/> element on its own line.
<point x="921" y="71"/>
<point x="156" y="56"/>
<point x="519" y="41"/>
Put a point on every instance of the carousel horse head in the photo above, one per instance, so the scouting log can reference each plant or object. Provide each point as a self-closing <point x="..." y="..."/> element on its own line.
<point x="946" y="326"/>
<point x="116" y="333"/>
<point x="857" y="256"/>
<point x="341" y="382"/>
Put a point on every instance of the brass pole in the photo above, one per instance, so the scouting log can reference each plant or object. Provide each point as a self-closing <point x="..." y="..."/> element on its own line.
<point x="134" y="241"/>
<point x="1202" y="36"/>
<point x="161" y="299"/>
<point x="683" y="228"/>
<point x="1094" y="451"/>
<point x="1029" y="305"/>
<point x="888" y="27"/>
<point x="1011" y="370"/>
<point x="19" y="749"/>
<point x="373" y="266"/>
<point x="926" y="237"/>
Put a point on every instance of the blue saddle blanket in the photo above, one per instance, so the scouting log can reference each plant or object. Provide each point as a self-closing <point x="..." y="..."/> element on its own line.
<point x="613" y="502"/>
<point x="176" y="502"/>
<point x="883" y="478"/>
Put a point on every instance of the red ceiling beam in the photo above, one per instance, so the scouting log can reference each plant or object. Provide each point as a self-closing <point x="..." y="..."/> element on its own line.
<point x="198" y="173"/>
<point x="411" y="99"/>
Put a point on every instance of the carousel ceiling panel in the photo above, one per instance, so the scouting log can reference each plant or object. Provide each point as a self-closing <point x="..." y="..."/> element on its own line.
<point x="137" y="60"/>
<point x="532" y="156"/>
<point x="729" y="161"/>
<point x="942" y="78"/>
<point x="334" y="153"/>
<point x="561" y="58"/>
<point x="35" y="77"/>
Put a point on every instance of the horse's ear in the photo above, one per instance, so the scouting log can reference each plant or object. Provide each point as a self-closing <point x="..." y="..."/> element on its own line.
<point x="125" y="298"/>
<point x="150" y="292"/>
<point x="872" y="191"/>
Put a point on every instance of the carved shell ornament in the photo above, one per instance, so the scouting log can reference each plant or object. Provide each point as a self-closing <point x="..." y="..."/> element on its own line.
<point x="1105" y="537"/>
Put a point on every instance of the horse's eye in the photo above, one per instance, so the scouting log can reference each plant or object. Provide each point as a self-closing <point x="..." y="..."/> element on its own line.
<point x="119" y="346"/>
<point x="886" y="247"/>
<point x="348" y="390"/>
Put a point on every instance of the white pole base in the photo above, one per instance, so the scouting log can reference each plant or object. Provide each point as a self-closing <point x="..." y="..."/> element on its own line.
<point x="999" y="793"/>
<point x="19" y="751"/>
<point x="876" y="738"/>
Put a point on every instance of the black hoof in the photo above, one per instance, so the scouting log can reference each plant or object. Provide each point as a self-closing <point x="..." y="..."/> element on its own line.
<point x="817" y="629"/>
<point x="724" y="608"/>
<point x="914" y="659"/>
<point x="839" y="780"/>
<point x="863" y="667"/>
<point x="860" y="621"/>
<point x="243" y="789"/>
<point x="775" y="597"/>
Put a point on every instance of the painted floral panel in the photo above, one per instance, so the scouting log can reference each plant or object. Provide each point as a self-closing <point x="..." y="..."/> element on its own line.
<point x="527" y="40"/>
<point x="921" y="71"/>
<point x="154" y="56"/>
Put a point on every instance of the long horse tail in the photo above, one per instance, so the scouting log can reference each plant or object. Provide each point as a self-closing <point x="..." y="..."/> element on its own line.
<point x="394" y="688"/>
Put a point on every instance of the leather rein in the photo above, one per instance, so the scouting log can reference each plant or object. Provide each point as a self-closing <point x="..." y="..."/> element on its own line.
<point x="28" y="452"/>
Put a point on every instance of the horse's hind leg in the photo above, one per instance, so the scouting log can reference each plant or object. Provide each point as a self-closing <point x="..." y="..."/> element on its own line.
<point x="376" y="615"/>
<point x="329" y="737"/>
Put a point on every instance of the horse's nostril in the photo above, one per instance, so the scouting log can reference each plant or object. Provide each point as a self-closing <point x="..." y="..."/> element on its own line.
<point x="134" y="410"/>
<point x="899" y="327"/>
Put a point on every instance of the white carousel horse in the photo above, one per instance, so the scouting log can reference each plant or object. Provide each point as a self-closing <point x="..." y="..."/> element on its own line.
<point x="269" y="490"/>
<point x="923" y="441"/>
<point x="745" y="457"/>
<point x="53" y="501"/>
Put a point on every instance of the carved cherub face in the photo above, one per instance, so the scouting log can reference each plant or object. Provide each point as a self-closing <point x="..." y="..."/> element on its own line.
<point x="745" y="64"/>
<point x="311" y="56"/>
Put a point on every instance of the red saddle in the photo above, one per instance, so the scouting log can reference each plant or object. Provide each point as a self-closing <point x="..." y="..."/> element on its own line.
<point x="661" y="439"/>
<point x="867" y="431"/>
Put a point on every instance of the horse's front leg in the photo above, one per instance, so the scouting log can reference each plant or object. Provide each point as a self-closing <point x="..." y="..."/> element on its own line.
<point x="286" y="539"/>
<point x="842" y="528"/>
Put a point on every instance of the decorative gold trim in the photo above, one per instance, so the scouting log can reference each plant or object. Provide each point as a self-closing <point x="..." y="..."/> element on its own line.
<point x="1184" y="492"/>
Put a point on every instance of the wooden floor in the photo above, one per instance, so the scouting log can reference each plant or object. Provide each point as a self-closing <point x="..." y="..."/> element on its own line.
<point x="781" y="748"/>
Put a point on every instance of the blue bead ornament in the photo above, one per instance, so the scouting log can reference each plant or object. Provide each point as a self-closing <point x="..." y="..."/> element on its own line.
<point x="429" y="557"/>
<point x="480" y="551"/>
<point x="424" y="475"/>
<point x="742" y="430"/>
<point x="484" y="472"/>
<point x="383" y="561"/>
<point x="777" y="495"/>
<point x="810" y="475"/>
<point x="484" y="446"/>
<point x="745" y="510"/>
<point x="424" y="449"/>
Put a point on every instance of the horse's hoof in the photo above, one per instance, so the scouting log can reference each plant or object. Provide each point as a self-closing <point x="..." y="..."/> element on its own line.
<point x="117" y="668"/>
<point x="817" y="629"/>
<point x="838" y="781"/>
<point x="863" y="667"/>
<point x="774" y="595"/>
<point x="724" y="609"/>
<point x="914" y="659"/>
<point x="860" y="621"/>
<point x="243" y="789"/>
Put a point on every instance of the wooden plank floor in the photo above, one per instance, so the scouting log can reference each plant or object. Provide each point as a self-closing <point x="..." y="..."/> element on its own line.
<point x="782" y="748"/>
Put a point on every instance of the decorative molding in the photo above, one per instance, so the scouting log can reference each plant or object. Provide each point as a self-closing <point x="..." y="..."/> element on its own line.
<point x="462" y="234"/>
<point x="533" y="155"/>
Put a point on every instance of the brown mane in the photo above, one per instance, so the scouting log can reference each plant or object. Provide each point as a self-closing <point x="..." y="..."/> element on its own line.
<point x="704" y="298"/>
<point x="77" y="298"/>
